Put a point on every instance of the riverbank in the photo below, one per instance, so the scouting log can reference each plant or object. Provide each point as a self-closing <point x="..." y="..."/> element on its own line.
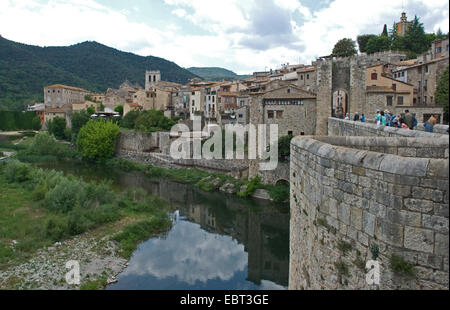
<point x="47" y="219"/>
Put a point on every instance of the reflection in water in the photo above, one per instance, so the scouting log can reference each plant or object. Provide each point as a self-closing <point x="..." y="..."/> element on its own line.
<point x="219" y="241"/>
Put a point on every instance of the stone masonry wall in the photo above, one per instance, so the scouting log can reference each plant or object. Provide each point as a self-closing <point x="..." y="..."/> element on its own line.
<point x="339" y="127"/>
<point x="351" y="203"/>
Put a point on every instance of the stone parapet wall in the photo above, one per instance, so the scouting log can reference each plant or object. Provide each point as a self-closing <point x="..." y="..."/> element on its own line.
<point x="350" y="205"/>
<point x="236" y="168"/>
<point x="340" y="127"/>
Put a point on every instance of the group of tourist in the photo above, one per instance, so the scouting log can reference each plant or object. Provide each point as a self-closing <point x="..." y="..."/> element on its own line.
<point x="386" y="118"/>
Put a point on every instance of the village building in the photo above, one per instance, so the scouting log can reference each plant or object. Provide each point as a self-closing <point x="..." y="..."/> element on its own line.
<point x="64" y="112"/>
<point x="84" y="105"/>
<point x="424" y="74"/>
<point x="180" y="102"/>
<point x="58" y="95"/>
<point x="98" y="97"/>
<point x="383" y="92"/>
<point x="290" y="107"/>
<point x="130" y="106"/>
<point x="197" y="102"/>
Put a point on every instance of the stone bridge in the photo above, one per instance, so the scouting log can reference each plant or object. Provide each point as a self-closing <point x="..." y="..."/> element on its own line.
<point x="378" y="194"/>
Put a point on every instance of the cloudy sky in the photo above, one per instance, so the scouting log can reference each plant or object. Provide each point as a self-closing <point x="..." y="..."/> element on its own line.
<point x="240" y="35"/>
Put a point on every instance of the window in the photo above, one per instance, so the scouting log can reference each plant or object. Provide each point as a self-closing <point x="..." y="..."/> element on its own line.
<point x="288" y="90"/>
<point x="269" y="114"/>
<point x="394" y="86"/>
<point x="279" y="114"/>
<point x="240" y="115"/>
<point x="374" y="76"/>
<point x="426" y="68"/>
<point x="301" y="77"/>
<point x="193" y="93"/>
<point x="213" y="98"/>
<point x="438" y="50"/>
<point x="193" y="101"/>
<point x="389" y="100"/>
<point x="403" y="73"/>
<point x="400" y="100"/>
<point x="425" y="99"/>
<point x="307" y="76"/>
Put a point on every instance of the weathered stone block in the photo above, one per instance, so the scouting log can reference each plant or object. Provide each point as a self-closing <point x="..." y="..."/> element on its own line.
<point x="404" y="217"/>
<point x="437" y="223"/>
<point x="377" y="209"/>
<point x="419" y="239"/>
<point x="438" y="168"/>
<point x="358" y="170"/>
<point x="420" y="205"/>
<point x="389" y="232"/>
<point x="344" y="213"/>
<point x="368" y="223"/>
<point x="441" y="209"/>
<point x="400" y="165"/>
<point x="356" y="218"/>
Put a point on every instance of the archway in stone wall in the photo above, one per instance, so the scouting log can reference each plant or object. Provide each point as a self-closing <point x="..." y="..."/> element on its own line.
<point x="282" y="182"/>
<point x="340" y="104"/>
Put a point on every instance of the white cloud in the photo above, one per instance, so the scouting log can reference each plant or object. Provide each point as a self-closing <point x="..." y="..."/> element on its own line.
<point x="243" y="36"/>
<point x="179" y="12"/>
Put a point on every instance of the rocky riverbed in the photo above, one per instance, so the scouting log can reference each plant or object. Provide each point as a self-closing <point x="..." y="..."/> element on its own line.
<point x="97" y="257"/>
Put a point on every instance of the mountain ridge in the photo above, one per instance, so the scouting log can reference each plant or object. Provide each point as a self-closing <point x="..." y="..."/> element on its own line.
<point x="216" y="73"/>
<point x="26" y="69"/>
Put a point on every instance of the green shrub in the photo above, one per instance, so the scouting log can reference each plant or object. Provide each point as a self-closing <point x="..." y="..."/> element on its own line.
<point x="97" y="140"/>
<point x="129" y="120"/>
<point x="279" y="192"/>
<point x="56" y="127"/>
<point x="252" y="186"/>
<point x="55" y="228"/>
<point x="36" y="123"/>
<point x="17" y="172"/>
<point x="64" y="196"/>
<point x="44" y="144"/>
<point x="284" y="147"/>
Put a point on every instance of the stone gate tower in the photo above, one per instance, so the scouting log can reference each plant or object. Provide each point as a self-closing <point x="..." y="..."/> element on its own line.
<point x="152" y="77"/>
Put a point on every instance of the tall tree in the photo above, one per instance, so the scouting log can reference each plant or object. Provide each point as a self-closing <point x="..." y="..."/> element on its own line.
<point x="415" y="38"/>
<point x="362" y="41"/>
<point x="344" y="48"/>
<point x="385" y="31"/>
<point x="378" y="44"/>
<point x="441" y="95"/>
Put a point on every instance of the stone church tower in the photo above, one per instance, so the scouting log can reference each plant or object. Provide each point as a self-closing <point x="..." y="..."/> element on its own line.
<point x="152" y="78"/>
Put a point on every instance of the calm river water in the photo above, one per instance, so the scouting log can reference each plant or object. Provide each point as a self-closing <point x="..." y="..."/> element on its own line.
<point x="218" y="241"/>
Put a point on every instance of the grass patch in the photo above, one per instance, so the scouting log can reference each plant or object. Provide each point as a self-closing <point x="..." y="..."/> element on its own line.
<point x="39" y="207"/>
<point x="98" y="284"/>
<point x="344" y="247"/>
<point x="401" y="267"/>
<point x="134" y="234"/>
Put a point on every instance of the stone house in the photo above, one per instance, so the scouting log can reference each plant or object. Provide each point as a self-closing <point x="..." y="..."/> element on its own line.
<point x="384" y="92"/>
<point x="130" y="106"/>
<point x="306" y="78"/>
<point x="424" y="75"/>
<point x="180" y="102"/>
<point x="58" y="95"/>
<point x="83" y="105"/>
<point x="291" y="107"/>
<point x="64" y="111"/>
<point x="197" y="102"/>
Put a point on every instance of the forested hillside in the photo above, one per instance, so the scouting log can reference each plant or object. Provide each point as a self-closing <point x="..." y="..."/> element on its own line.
<point x="26" y="69"/>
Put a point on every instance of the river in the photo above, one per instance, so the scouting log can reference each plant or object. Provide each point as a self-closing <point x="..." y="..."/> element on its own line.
<point x="218" y="241"/>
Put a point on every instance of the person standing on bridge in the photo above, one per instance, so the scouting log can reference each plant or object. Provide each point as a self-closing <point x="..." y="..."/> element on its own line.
<point x="363" y="117"/>
<point x="408" y="118"/>
<point x="356" y="117"/>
